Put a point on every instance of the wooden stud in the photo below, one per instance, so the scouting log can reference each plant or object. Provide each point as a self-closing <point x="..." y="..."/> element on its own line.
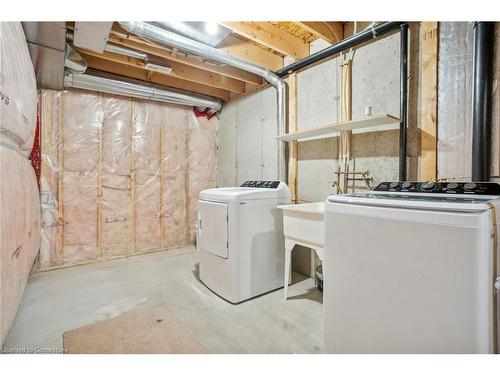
<point x="332" y="32"/>
<point x="133" y="157"/>
<point x="99" y="176"/>
<point x="60" y="176"/>
<point x="272" y="37"/>
<point x="344" y="140"/>
<point x="428" y="138"/>
<point x="49" y="134"/>
<point x="162" y="175"/>
<point x="293" y="146"/>
<point x="153" y="77"/>
<point x="249" y="52"/>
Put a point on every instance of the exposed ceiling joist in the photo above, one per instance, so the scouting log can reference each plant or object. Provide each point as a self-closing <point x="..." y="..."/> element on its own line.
<point x="99" y="63"/>
<point x="126" y="40"/>
<point x="180" y="71"/>
<point x="270" y="36"/>
<point x="332" y="32"/>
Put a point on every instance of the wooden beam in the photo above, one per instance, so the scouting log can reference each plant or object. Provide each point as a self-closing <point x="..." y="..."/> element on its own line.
<point x="270" y="36"/>
<point x="180" y="71"/>
<point x="126" y="40"/>
<point x="293" y="165"/>
<point x="428" y="137"/>
<point x="153" y="77"/>
<point x="251" y="53"/>
<point x="332" y="32"/>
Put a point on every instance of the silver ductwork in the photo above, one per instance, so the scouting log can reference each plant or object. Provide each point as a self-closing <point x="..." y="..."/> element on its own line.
<point x="111" y="84"/>
<point x="126" y="51"/>
<point x="73" y="61"/>
<point x="166" y="38"/>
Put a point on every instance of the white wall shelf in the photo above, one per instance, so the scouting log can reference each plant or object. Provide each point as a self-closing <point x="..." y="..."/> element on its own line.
<point x="327" y="131"/>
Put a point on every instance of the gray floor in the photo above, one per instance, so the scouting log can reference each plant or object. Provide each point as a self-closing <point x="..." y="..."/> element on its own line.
<point x="61" y="300"/>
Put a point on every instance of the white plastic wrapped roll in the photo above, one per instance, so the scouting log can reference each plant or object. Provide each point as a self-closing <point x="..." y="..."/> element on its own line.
<point x="18" y="96"/>
<point x="19" y="232"/>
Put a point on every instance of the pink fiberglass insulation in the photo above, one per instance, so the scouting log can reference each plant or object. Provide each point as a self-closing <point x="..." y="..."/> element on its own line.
<point x="19" y="231"/>
<point x="50" y="252"/>
<point x="202" y="151"/>
<point x="116" y="202"/>
<point x="147" y="124"/>
<point x="128" y="176"/>
<point x="175" y="165"/>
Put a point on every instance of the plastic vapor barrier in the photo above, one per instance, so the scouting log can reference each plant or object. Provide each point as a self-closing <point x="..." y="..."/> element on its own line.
<point x="18" y="96"/>
<point x="19" y="232"/>
<point x="456" y="44"/>
<point x="119" y="176"/>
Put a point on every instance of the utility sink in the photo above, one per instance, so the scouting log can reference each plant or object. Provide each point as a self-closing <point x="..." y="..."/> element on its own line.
<point x="304" y="223"/>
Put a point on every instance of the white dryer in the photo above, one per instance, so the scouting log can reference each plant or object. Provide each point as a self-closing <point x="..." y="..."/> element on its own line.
<point x="240" y="239"/>
<point x="410" y="268"/>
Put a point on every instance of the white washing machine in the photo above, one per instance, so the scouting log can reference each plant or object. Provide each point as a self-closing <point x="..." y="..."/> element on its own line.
<point x="411" y="268"/>
<point x="240" y="239"/>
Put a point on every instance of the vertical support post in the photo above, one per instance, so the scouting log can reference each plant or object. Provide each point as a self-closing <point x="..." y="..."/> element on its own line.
<point x="162" y="176"/>
<point x="428" y="137"/>
<point x="99" y="177"/>
<point x="60" y="177"/>
<point x="403" y="103"/>
<point x="482" y="100"/>
<point x="132" y="175"/>
<point x="345" y="137"/>
<point x="293" y="146"/>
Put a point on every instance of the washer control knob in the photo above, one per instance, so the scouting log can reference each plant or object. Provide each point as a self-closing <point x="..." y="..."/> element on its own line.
<point x="393" y="185"/>
<point x="406" y="185"/>
<point x="452" y="186"/>
<point x="470" y="186"/>
<point x="428" y="186"/>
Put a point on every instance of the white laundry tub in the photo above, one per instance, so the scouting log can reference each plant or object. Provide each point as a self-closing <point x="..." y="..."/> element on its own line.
<point x="303" y="224"/>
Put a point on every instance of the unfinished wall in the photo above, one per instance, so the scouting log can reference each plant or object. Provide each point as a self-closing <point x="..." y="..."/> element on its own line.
<point x="119" y="175"/>
<point x="247" y="147"/>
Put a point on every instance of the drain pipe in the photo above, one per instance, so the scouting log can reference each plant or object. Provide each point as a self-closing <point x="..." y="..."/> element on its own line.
<point x="482" y="100"/>
<point x="112" y="84"/>
<point x="166" y="38"/>
<point x="403" y="101"/>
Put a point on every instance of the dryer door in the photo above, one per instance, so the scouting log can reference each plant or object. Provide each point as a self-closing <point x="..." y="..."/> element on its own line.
<point x="212" y="227"/>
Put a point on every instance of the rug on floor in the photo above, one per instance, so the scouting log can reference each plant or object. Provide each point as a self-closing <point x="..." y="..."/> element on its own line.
<point x="149" y="330"/>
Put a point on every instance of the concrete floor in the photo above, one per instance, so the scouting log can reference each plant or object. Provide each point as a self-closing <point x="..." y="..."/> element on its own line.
<point x="60" y="300"/>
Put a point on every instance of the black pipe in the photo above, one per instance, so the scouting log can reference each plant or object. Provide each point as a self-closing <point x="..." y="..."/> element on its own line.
<point x="403" y="100"/>
<point x="343" y="45"/>
<point x="482" y="100"/>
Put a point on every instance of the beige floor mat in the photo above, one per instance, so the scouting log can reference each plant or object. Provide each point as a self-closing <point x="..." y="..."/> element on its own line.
<point x="149" y="330"/>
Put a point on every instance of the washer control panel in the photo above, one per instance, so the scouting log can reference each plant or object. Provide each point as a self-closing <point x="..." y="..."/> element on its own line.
<point x="261" y="184"/>
<point x="474" y="188"/>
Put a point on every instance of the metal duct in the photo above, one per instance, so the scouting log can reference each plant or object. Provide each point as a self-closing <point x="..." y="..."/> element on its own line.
<point x="170" y="39"/>
<point x="74" y="61"/>
<point x="126" y="51"/>
<point x="112" y="84"/>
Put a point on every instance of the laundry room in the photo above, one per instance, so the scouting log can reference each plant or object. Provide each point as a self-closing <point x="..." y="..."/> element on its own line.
<point x="187" y="185"/>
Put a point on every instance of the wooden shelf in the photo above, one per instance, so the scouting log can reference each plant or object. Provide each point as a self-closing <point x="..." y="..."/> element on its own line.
<point x="326" y="131"/>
